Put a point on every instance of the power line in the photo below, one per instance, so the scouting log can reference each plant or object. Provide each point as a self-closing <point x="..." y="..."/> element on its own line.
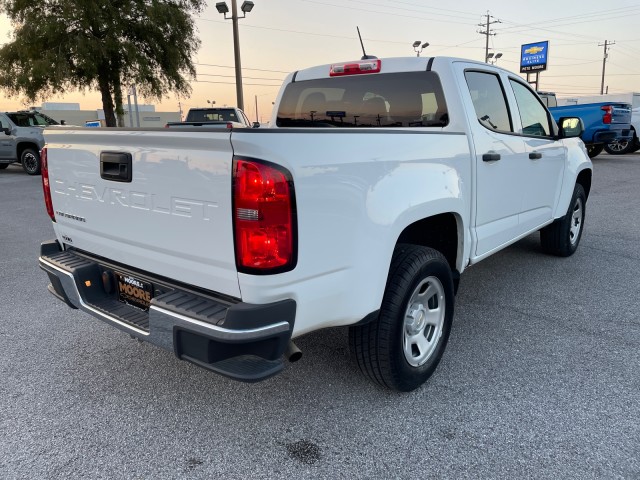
<point x="233" y="83"/>
<point x="558" y="21"/>
<point x="414" y="10"/>
<point x="433" y="8"/>
<point x="385" y="13"/>
<point x="244" y="68"/>
<point x="233" y="76"/>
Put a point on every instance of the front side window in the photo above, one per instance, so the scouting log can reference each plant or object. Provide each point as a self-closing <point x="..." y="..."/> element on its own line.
<point x="489" y="101"/>
<point x="535" y="121"/>
<point x="411" y="99"/>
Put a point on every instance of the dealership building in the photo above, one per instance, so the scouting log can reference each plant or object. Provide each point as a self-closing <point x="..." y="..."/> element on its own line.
<point x="71" y="114"/>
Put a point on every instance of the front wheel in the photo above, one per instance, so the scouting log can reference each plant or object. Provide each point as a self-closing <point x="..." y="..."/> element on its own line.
<point x="401" y="349"/>
<point x="594" y="150"/>
<point x="30" y="160"/>
<point x="562" y="237"/>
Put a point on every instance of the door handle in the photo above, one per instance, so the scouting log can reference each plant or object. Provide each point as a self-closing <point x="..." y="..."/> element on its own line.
<point x="115" y="166"/>
<point x="535" y="155"/>
<point x="490" y="157"/>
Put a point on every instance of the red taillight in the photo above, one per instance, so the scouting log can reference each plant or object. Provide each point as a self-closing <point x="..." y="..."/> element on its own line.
<point x="608" y="111"/>
<point x="263" y="216"/>
<point x="229" y="125"/>
<point x="44" y="169"/>
<point x="355" y="68"/>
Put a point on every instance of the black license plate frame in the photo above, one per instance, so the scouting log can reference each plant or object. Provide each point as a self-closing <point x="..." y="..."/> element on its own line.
<point x="133" y="291"/>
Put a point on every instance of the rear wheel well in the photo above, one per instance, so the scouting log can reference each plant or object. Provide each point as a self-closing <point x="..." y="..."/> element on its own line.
<point x="584" y="179"/>
<point x="439" y="232"/>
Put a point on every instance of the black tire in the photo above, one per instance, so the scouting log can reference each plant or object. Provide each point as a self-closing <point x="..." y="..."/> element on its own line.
<point x="379" y="346"/>
<point x="30" y="160"/>
<point x="3" y="166"/>
<point x="621" y="148"/>
<point x="563" y="236"/>
<point x="594" y="150"/>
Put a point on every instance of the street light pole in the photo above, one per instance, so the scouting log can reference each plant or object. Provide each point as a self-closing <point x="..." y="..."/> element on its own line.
<point x="246" y="7"/>
<point x="236" y="50"/>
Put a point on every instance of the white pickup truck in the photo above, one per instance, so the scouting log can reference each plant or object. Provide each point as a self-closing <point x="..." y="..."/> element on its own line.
<point x="378" y="183"/>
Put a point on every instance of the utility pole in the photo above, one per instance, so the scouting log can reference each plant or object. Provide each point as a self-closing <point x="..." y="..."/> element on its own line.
<point x="606" y="46"/>
<point x="236" y="50"/>
<point x="487" y="33"/>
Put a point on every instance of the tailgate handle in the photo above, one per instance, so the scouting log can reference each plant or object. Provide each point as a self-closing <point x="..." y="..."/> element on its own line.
<point x="115" y="166"/>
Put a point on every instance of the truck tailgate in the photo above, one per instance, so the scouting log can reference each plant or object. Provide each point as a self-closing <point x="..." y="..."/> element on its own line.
<point x="173" y="218"/>
<point x="621" y="113"/>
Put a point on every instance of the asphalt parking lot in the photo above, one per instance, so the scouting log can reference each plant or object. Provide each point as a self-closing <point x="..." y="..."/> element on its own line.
<point x="541" y="378"/>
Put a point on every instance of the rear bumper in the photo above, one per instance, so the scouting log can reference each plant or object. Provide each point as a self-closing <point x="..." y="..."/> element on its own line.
<point x="608" y="136"/>
<point x="242" y="341"/>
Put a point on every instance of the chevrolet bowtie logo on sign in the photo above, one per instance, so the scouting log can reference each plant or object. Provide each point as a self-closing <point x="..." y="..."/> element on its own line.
<point x="533" y="57"/>
<point x="534" y="50"/>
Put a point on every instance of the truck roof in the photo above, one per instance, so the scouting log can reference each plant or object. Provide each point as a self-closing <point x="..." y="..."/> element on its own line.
<point x="388" y="65"/>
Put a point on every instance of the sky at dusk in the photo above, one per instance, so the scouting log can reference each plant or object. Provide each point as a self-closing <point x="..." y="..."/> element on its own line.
<point x="280" y="36"/>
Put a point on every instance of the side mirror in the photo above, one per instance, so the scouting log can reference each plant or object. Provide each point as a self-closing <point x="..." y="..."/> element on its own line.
<point x="570" y="127"/>
<point x="63" y="122"/>
<point x="256" y="124"/>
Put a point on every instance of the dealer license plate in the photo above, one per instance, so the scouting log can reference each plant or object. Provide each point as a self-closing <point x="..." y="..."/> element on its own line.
<point x="134" y="291"/>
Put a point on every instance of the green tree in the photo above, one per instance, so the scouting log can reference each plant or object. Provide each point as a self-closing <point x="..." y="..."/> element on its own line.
<point x="65" y="45"/>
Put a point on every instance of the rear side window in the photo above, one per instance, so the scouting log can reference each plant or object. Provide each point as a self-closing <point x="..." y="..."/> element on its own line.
<point x="489" y="101"/>
<point x="412" y="99"/>
<point x="21" y="120"/>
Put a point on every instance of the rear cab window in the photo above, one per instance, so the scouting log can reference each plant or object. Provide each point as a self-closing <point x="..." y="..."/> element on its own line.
<point x="489" y="101"/>
<point x="410" y="99"/>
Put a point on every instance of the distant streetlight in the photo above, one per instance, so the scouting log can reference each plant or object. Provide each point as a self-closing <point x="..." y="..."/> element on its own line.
<point x="211" y="102"/>
<point x="417" y="47"/>
<point x="493" y="58"/>
<point x="223" y="9"/>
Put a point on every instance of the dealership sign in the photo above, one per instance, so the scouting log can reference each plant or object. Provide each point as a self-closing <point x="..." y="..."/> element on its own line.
<point x="533" y="57"/>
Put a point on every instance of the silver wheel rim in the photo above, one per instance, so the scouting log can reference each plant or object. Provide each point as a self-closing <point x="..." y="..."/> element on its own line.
<point x="618" y="146"/>
<point x="31" y="162"/>
<point x="576" y="222"/>
<point x="423" y="321"/>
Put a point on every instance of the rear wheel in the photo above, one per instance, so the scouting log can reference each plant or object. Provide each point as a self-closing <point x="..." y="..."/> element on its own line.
<point x="563" y="236"/>
<point x="622" y="147"/>
<point x="594" y="150"/>
<point x="30" y="160"/>
<point x="401" y="349"/>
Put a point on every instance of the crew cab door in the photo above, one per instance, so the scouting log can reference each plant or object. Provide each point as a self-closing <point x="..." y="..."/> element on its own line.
<point x="500" y="159"/>
<point x="546" y="157"/>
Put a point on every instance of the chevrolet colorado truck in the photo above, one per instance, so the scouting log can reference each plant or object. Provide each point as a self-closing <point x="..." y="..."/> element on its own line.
<point x="378" y="183"/>
<point x="21" y="139"/>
